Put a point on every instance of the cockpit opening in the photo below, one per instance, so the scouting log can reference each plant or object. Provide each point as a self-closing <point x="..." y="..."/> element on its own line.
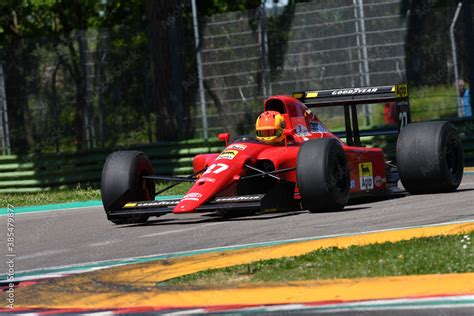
<point x="275" y="105"/>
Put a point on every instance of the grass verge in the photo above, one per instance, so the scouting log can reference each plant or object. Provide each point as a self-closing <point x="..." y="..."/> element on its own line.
<point x="442" y="254"/>
<point x="49" y="197"/>
<point x="71" y="195"/>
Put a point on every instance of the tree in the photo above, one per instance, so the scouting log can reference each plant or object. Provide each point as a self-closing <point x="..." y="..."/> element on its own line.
<point x="61" y="26"/>
<point x="14" y="30"/>
<point x="427" y="45"/>
<point x="164" y="25"/>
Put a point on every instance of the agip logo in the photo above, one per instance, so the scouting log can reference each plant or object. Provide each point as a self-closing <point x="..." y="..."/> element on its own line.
<point x="366" y="176"/>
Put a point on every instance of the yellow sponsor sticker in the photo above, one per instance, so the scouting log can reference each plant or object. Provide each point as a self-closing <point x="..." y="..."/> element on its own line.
<point x="312" y="94"/>
<point x="366" y="176"/>
<point x="365" y="169"/>
<point x="401" y="90"/>
<point x="228" y="154"/>
<point x="130" y="205"/>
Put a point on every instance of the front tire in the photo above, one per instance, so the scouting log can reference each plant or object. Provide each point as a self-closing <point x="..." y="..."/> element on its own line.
<point x="430" y="157"/>
<point x="323" y="175"/>
<point x="122" y="181"/>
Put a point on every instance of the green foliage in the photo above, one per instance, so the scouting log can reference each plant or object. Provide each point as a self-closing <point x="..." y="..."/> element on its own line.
<point x="435" y="102"/>
<point x="77" y="194"/>
<point x="38" y="36"/>
<point x="209" y="7"/>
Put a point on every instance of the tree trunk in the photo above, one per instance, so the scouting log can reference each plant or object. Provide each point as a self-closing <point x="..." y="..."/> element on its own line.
<point x="17" y="97"/>
<point x="75" y="72"/>
<point x="55" y="108"/>
<point x="165" y="90"/>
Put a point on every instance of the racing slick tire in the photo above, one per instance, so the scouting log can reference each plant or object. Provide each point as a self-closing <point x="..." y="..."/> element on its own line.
<point x="430" y="157"/>
<point x="323" y="175"/>
<point x="122" y="181"/>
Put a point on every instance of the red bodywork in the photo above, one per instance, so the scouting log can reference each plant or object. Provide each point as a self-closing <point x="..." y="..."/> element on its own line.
<point x="367" y="165"/>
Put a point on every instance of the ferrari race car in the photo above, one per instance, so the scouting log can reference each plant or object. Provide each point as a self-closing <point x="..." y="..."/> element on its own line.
<point x="295" y="163"/>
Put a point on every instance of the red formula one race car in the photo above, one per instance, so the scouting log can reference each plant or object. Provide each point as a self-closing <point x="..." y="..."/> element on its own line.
<point x="295" y="163"/>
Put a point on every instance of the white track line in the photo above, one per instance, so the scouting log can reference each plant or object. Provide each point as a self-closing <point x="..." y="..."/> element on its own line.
<point x="180" y="230"/>
<point x="42" y="254"/>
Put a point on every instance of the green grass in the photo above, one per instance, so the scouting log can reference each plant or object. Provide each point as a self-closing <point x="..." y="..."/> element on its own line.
<point x="71" y="195"/>
<point x="431" y="103"/>
<point x="49" y="197"/>
<point x="443" y="254"/>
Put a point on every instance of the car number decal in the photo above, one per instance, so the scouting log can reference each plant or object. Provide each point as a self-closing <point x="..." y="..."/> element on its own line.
<point x="216" y="168"/>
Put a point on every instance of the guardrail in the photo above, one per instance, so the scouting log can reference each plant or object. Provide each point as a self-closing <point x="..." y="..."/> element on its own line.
<point x="42" y="172"/>
<point x="34" y="173"/>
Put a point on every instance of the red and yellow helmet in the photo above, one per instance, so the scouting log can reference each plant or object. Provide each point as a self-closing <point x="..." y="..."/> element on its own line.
<point x="269" y="127"/>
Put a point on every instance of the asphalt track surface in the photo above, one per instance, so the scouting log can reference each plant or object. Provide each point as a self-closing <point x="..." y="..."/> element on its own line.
<point x="68" y="237"/>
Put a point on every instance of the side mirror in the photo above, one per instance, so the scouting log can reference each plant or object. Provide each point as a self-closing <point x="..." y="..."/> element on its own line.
<point x="288" y="132"/>
<point x="224" y="137"/>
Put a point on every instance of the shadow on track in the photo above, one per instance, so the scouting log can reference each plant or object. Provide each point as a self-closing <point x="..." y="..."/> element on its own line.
<point x="229" y="217"/>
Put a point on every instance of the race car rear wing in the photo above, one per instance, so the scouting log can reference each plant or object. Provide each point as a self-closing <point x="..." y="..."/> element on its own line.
<point x="351" y="97"/>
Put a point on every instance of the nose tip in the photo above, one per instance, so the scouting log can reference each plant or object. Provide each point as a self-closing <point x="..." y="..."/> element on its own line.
<point x="184" y="207"/>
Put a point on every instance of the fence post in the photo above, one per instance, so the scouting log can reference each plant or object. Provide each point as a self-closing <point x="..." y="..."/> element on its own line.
<point x="87" y="87"/>
<point x="362" y="41"/>
<point x="4" y="128"/>
<point x="263" y="41"/>
<point x="455" y="59"/>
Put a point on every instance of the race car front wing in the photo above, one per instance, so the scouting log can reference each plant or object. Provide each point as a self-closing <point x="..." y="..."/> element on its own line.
<point x="279" y="198"/>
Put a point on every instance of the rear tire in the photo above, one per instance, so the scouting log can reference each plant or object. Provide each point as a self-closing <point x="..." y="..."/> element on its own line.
<point x="323" y="175"/>
<point x="430" y="157"/>
<point x="122" y="182"/>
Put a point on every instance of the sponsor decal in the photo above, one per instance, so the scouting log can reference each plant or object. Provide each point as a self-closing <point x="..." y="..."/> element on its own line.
<point x="301" y="130"/>
<point x="366" y="176"/>
<point x="354" y="91"/>
<point x="317" y="127"/>
<point x="238" y="198"/>
<point x="207" y="179"/>
<point x="353" y="184"/>
<point x="401" y="90"/>
<point x="192" y="197"/>
<point x="237" y="146"/>
<point x="158" y="203"/>
<point x="379" y="181"/>
<point x="228" y="154"/>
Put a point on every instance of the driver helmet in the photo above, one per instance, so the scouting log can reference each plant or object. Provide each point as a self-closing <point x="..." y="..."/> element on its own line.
<point x="269" y="127"/>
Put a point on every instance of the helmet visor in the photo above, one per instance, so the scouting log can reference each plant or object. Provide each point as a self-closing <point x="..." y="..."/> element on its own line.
<point x="266" y="133"/>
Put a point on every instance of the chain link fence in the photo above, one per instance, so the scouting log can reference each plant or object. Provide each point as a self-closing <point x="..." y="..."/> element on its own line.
<point x="329" y="44"/>
<point x="313" y="45"/>
<point x="246" y="57"/>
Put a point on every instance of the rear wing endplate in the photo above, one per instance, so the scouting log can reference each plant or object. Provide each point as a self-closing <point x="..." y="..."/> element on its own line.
<point x="351" y="97"/>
